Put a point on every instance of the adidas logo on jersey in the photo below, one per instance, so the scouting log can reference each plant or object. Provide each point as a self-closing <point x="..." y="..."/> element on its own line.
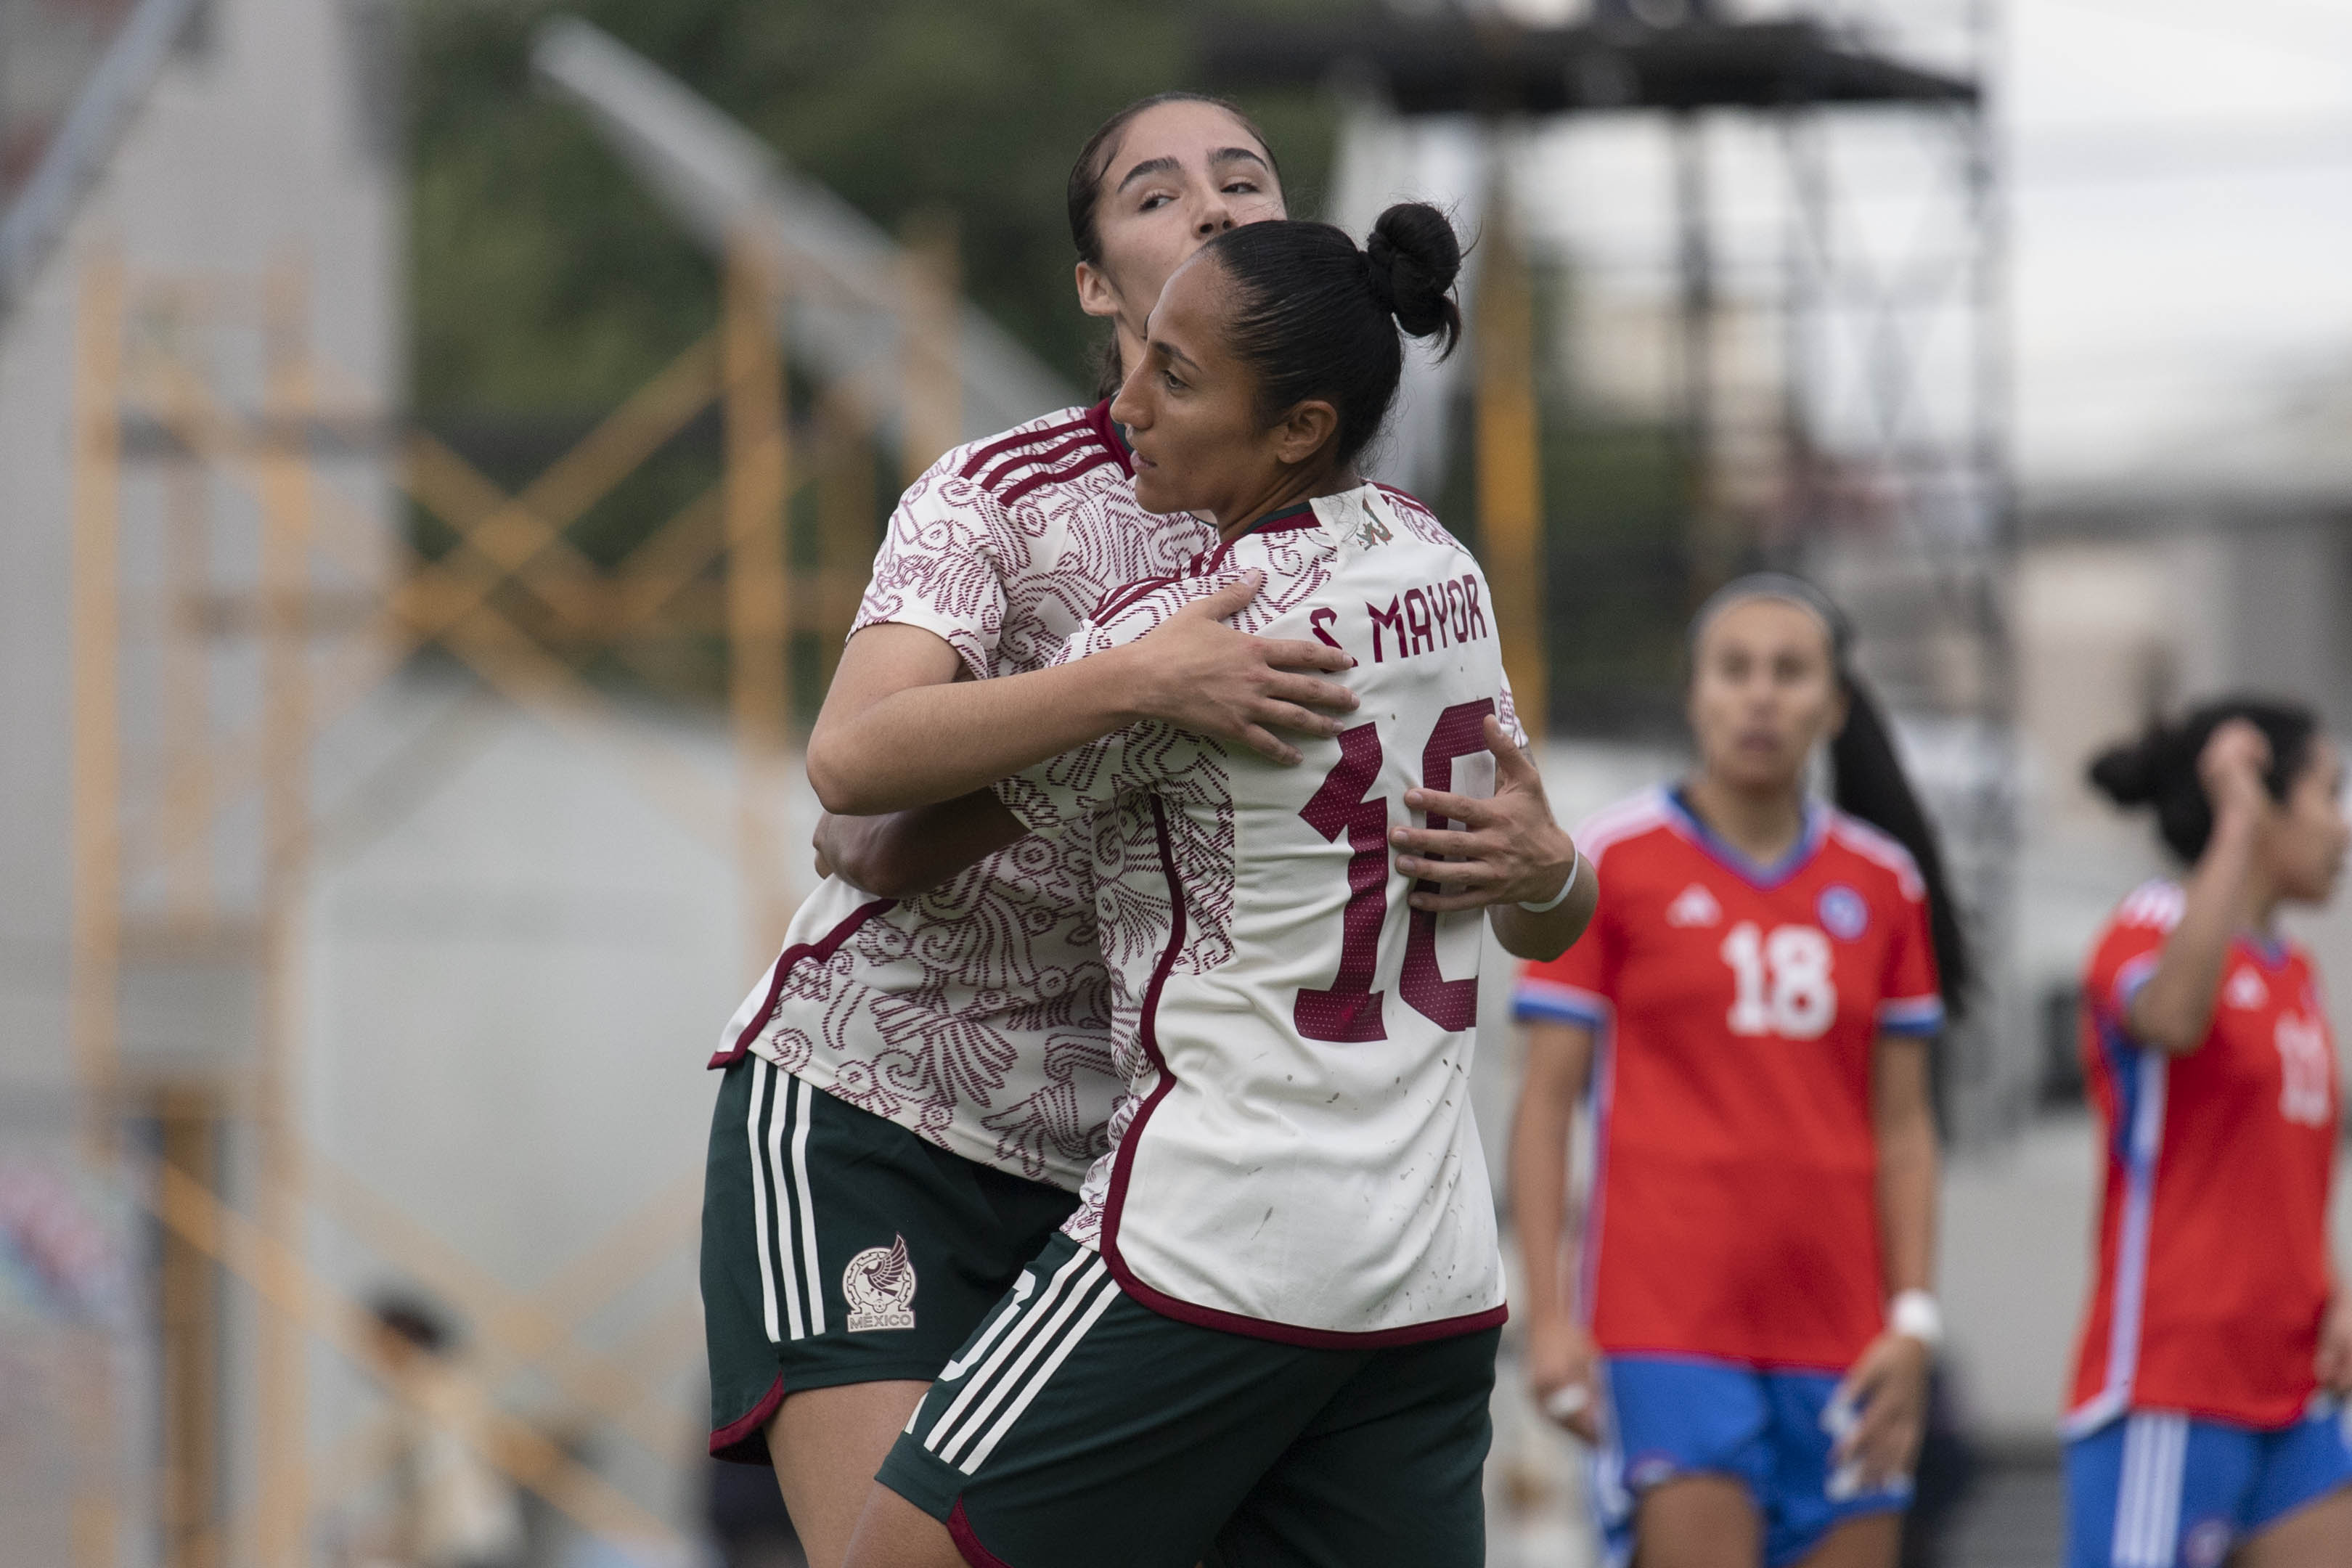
<point x="2246" y="990"/>
<point x="1693" y="906"/>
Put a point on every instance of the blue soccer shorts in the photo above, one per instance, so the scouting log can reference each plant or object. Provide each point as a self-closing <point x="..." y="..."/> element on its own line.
<point x="2159" y="1489"/>
<point x="1668" y="1416"/>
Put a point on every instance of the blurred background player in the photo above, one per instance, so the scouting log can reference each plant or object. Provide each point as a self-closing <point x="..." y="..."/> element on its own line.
<point x="2202" y="1424"/>
<point x="450" y="1507"/>
<point x="1204" y="1365"/>
<point x="1750" y="1341"/>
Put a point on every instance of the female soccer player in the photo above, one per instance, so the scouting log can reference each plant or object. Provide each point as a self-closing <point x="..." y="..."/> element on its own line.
<point x="1747" y="1344"/>
<point x="1267" y="1334"/>
<point x="2195" y="1432"/>
<point x="915" y="1089"/>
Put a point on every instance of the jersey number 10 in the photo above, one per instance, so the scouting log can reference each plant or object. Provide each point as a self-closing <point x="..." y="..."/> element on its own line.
<point x="1780" y="983"/>
<point x="2306" y="1066"/>
<point x="1351" y="1009"/>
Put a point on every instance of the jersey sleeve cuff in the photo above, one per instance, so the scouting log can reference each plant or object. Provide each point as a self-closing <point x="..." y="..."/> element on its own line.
<point x="2130" y="981"/>
<point x="1911" y="1015"/>
<point x="1068" y="788"/>
<point x="974" y="646"/>
<point x="1554" y="1002"/>
<point x="1035" y="803"/>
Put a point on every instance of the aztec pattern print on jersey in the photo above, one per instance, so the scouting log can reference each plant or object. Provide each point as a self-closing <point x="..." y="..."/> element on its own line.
<point x="977" y="1015"/>
<point x="1295" y="1158"/>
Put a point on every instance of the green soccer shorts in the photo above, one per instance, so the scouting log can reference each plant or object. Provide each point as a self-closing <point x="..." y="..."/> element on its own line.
<point x="1080" y="1429"/>
<point x="839" y="1248"/>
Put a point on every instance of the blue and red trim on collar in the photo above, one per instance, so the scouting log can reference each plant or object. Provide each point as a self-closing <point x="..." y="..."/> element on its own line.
<point x="1691" y="826"/>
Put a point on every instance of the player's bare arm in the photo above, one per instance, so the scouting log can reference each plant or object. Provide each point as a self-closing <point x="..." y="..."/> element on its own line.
<point x="1508" y="852"/>
<point x="1560" y="1355"/>
<point x="2333" y="1364"/>
<point x="898" y="729"/>
<point x="1888" y="1386"/>
<point x="2174" y="1011"/>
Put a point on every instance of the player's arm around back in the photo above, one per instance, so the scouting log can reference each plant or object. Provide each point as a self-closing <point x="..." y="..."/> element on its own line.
<point x="900" y="728"/>
<point x="906" y="853"/>
<point x="1509" y="858"/>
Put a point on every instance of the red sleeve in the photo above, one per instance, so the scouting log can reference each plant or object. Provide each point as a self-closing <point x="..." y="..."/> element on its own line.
<point x="1577" y="987"/>
<point x="2121" y="963"/>
<point x="1910" y="997"/>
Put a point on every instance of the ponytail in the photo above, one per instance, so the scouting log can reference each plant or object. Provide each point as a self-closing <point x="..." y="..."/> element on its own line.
<point x="1869" y="783"/>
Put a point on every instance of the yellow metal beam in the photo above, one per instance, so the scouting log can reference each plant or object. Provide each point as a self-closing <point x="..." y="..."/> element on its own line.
<point x="931" y="327"/>
<point x="846" y="538"/>
<point x="97" y="918"/>
<point x="284" y="1408"/>
<point x="758" y="630"/>
<point x="95" y="934"/>
<point x="1510" y="465"/>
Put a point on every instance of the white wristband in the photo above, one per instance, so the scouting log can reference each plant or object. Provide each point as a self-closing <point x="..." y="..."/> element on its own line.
<point x="1568" y="1399"/>
<point x="1914" y="1314"/>
<point x="1554" y="901"/>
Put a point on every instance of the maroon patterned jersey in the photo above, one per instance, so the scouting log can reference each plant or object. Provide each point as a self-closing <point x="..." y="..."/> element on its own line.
<point x="978" y="1015"/>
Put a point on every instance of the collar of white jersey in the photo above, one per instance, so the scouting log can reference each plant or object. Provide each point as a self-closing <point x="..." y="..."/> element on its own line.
<point x="1337" y="516"/>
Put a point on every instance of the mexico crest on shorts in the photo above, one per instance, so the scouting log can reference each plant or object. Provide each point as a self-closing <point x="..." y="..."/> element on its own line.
<point x="880" y="1286"/>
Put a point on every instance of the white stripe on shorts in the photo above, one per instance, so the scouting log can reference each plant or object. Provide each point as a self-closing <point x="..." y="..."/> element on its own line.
<point x="1044" y="1374"/>
<point x="1070" y="1284"/>
<point x="1021" y="1376"/>
<point x="805" y="1196"/>
<point x="777" y="1118"/>
<point x="761" y="1073"/>
<point x="2147" y="1495"/>
<point x="964" y="1360"/>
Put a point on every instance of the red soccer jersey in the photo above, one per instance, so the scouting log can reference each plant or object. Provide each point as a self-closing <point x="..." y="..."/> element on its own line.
<point x="1736" y="1008"/>
<point x="2214" y="1273"/>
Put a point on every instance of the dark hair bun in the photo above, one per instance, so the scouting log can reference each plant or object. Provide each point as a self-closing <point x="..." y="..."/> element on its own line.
<point x="2159" y="768"/>
<point x="1414" y="257"/>
<point x="2130" y="773"/>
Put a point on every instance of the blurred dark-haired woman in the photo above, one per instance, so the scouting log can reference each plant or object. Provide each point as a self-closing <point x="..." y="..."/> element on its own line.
<point x="2202" y="1425"/>
<point x="1748" y="1345"/>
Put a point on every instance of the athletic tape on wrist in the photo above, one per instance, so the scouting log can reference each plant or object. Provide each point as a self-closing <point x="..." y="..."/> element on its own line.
<point x="1914" y="1314"/>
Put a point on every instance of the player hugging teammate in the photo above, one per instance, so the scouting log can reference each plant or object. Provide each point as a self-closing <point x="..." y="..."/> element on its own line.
<point x="1267" y="1333"/>
<point x="917" y="1087"/>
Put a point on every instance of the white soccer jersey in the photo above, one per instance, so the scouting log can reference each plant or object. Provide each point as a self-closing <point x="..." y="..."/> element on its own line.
<point x="978" y="1015"/>
<point x="1295" y="1156"/>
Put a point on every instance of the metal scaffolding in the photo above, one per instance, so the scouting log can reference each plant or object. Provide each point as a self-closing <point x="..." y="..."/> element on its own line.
<point x="1875" y="456"/>
<point x="236" y="594"/>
